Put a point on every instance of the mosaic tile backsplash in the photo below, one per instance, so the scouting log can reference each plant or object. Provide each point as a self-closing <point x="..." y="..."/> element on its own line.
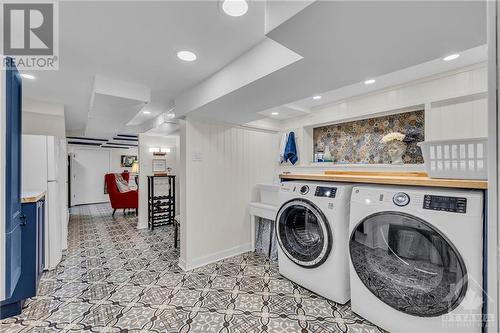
<point x="359" y="141"/>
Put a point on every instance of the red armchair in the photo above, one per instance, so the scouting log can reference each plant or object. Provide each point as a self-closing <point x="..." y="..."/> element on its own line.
<point x="125" y="200"/>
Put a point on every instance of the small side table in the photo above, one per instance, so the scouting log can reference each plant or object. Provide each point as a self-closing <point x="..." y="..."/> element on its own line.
<point x="268" y="212"/>
<point x="177" y="226"/>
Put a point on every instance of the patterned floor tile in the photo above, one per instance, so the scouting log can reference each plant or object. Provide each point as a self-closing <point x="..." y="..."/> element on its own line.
<point x="281" y="285"/>
<point x="156" y="295"/>
<point x="115" y="278"/>
<point x="98" y="291"/>
<point x="223" y="282"/>
<point x="245" y="324"/>
<point x="284" y="325"/>
<point x="102" y="315"/>
<point x="208" y="322"/>
<point x="136" y="318"/>
<point x="70" y="289"/>
<point x="185" y="297"/>
<point x="229" y="270"/>
<point x="171" y="320"/>
<point x="282" y="304"/>
<point x="196" y="281"/>
<point x="252" y="284"/>
<point x="215" y="299"/>
<point x="171" y="279"/>
<point x="69" y="312"/>
<point x="126" y="293"/>
<point x="249" y="302"/>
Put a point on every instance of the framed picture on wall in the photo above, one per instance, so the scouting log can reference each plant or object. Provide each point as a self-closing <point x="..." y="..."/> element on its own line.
<point x="126" y="161"/>
<point x="159" y="165"/>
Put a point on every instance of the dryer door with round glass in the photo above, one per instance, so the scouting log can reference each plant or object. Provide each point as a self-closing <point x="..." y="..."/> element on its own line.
<point x="303" y="233"/>
<point x="408" y="264"/>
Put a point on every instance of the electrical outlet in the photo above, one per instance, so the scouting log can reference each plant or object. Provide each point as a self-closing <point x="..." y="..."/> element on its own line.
<point x="197" y="157"/>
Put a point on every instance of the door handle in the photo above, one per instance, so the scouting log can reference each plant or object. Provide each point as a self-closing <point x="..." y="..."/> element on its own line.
<point x="23" y="219"/>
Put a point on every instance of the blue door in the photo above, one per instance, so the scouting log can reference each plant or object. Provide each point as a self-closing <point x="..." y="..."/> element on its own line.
<point x="13" y="215"/>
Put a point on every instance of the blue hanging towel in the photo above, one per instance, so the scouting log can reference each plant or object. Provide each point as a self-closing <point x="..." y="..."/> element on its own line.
<point x="290" y="153"/>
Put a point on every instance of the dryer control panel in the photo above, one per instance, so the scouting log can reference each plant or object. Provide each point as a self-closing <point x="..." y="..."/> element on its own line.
<point x="447" y="204"/>
<point x="327" y="192"/>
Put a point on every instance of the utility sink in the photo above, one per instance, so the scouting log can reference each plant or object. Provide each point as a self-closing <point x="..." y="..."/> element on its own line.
<point x="268" y="194"/>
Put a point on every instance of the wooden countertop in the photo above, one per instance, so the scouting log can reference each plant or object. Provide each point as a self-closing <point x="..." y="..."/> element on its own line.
<point x="32" y="196"/>
<point x="388" y="178"/>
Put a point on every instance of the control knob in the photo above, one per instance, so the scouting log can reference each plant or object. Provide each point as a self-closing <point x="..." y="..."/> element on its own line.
<point x="401" y="199"/>
<point x="304" y="189"/>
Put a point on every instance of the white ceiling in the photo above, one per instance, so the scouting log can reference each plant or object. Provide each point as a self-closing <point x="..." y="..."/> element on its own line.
<point x="326" y="46"/>
<point x="137" y="42"/>
<point x="425" y="70"/>
<point x="345" y="42"/>
<point x="164" y="129"/>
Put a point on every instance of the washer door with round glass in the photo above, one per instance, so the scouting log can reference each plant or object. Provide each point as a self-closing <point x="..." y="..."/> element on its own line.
<point x="303" y="233"/>
<point x="408" y="264"/>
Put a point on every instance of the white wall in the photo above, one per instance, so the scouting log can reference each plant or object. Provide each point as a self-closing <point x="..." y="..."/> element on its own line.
<point x="222" y="166"/>
<point x="41" y="124"/>
<point x="96" y="193"/>
<point x="43" y="118"/>
<point x="455" y="106"/>
<point x="182" y="193"/>
<point x="146" y="169"/>
<point x="116" y="155"/>
<point x="457" y="118"/>
<point x="88" y="168"/>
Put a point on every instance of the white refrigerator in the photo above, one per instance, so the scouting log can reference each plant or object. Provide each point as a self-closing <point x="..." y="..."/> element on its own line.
<point x="43" y="168"/>
<point x="63" y="191"/>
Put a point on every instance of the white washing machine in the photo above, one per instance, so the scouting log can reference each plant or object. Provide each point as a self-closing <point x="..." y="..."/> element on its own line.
<point x="312" y="232"/>
<point x="416" y="258"/>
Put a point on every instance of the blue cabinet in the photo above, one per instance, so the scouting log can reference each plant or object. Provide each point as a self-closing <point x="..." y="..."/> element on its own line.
<point x="33" y="243"/>
<point x="32" y="256"/>
<point x="12" y="160"/>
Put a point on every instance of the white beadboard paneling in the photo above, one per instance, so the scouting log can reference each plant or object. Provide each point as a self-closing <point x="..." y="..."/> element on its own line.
<point x="467" y="119"/>
<point x="219" y="187"/>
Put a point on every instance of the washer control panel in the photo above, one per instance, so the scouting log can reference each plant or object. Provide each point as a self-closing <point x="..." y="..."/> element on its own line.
<point x="326" y="192"/>
<point x="446" y="204"/>
<point x="304" y="189"/>
<point x="401" y="199"/>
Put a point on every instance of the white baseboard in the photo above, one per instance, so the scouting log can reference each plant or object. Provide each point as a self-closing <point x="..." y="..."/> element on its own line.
<point x="182" y="264"/>
<point x="214" y="257"/>
<point x="140" y="226"/>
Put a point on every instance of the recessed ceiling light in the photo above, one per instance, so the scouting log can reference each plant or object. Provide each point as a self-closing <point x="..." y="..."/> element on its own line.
<point x="317" y="97"/>
<point x="451" y="57"/>
<point x="28" y="76"/>
<point x="186" y="55"/>
<point x="171" y="115"/>
<point x="235" y="7"/>
<point x="274" y="113"/>
<point x="146" y="112"/>
<point x="370" y="81"/>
